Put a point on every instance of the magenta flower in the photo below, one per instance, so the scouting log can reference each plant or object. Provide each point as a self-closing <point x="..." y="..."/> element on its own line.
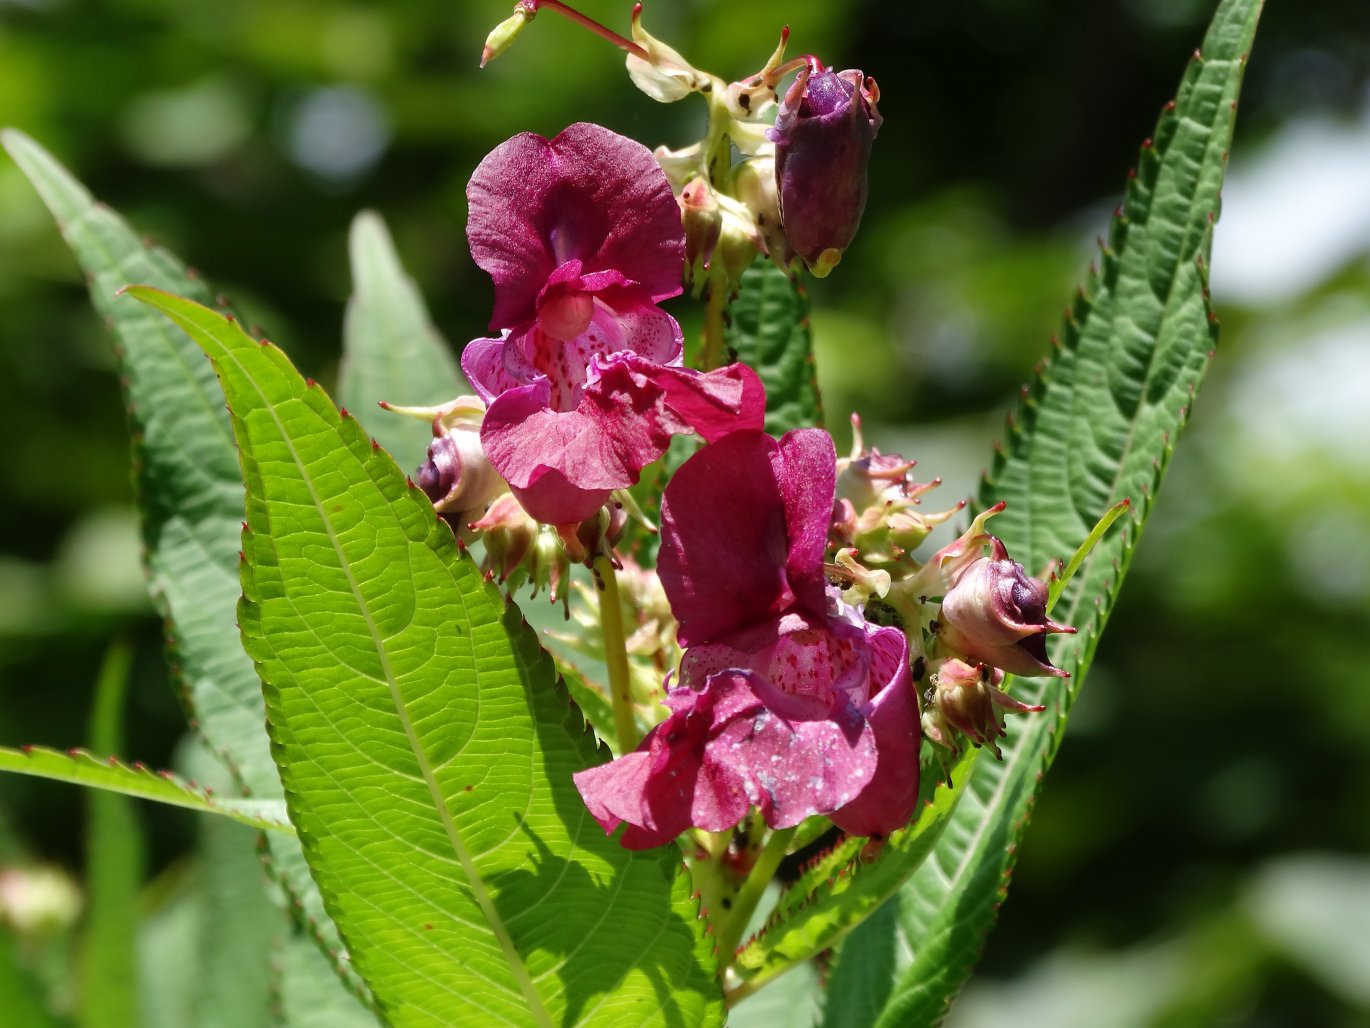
<point x="789" y="701"/>
<point x="585" y="384"/>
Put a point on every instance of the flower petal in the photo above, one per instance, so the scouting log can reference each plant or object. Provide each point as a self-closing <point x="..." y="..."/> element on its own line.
<point x="808" y="483"/>
<point x="724" y="541"/>
<point x="482" y="361"/>
<point x="888" y="802"/>
<point x="736" y="743"/>
<point x="744" y="524"/>
<point x="590" y="195"/>
<point x="791" y="767"/>
<point x="716" y="403"/>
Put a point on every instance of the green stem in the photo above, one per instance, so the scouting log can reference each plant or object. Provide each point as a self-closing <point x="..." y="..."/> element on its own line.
<point x="616" y="655"/>
<point x="763" y="871"/>
<point x="711" y="356"/>
<point x="1060" y="582"/>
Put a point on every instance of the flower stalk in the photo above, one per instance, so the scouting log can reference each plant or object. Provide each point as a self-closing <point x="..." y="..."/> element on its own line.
<point x="616" y="655"/>
<point x="585" y="22"/>
<point x="753" y="888"/>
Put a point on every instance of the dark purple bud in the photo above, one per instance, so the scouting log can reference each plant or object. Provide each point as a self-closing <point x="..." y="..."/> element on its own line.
<point x="457" y="476"/>
<point x="996" y="614"/>
<point x="823" y="137"/>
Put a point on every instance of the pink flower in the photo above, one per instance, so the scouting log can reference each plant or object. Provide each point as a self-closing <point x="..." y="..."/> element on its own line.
<point x="585" y="384"/>
<point x="790" y="702"/>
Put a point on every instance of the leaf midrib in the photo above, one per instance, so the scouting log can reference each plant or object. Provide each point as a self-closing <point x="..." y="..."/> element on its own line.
<point x="1152" y="354"/>
<point x="481" y="895"/>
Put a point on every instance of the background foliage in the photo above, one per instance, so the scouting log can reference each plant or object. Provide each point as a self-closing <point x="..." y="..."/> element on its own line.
<point x="1199" y="854"/>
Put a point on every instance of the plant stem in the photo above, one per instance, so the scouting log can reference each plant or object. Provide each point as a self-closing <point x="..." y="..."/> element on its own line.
<point x="751" y="892"/>
<point x="604" y="32"/>
<point x="616" y="655"/>
<point x="711" y="355"/>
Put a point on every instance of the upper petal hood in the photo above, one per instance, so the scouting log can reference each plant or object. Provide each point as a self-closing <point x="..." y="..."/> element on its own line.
<point x="588" y="194"/>
<point x="743" y="528"/>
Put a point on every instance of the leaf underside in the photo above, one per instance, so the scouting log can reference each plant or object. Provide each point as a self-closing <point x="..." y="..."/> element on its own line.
<point x="391" y="351"/>
<point x="425" y="744"/>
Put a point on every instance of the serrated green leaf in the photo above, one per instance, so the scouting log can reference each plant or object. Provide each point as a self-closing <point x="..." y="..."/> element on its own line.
<point x="591" y="699"/>
<point x="391" y="351"/>
<point x="837" y="891"/>
<point x="425" y="750"/>
<point x="769" y="331"/>
<point x="80" y="767"/>
<point x="169" y="939"/>
<point x="190" y="492"/>
<point x="1098" y="425"/>
<point x="285" y="863"/>
<point x="865" y="971"/>
<point x="188" y="480"/>
<point x="114" y="868"/>
<point x="243" y="928"/>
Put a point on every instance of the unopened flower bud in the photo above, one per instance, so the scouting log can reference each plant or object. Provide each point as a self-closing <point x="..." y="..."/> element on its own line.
<point x="518" y="550"/>
<point x="664" y="74"/>
<point x="703" y="223"/>
<point x="457" y="476"/>
<point x="878" y="502"/>
<point x="754" y="185"/>
<point x="996" y="614"/>
<point x="502" y="36"/>
<point x="863" y="581"/>
<point x="508" y="533"/>
<point x="823" y="137"/>
<point x="550" y="567"/>
<point x="966" y="698"/>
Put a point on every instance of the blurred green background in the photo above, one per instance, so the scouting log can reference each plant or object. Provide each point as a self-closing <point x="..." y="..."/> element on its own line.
<point x="1201" y="853"/>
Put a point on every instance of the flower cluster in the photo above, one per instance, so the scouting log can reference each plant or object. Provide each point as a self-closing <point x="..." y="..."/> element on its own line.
<point x="772" y="689"/>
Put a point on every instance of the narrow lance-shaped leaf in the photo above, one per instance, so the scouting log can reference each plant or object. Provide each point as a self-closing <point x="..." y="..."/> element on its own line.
<point x="190" y="492"/>
<point x="300" y="970"/>
<point x="425" y="745"/>
<point x="243" y="929"/>
<point x="769" y="330"/>
<point x="974" y="850"/>
<point x="391" y="351"/>
<point x="112" y="775"/>
<point x="838" y="891"/>
<point x="1098" y="425"/>
<point x="189" y="486"/>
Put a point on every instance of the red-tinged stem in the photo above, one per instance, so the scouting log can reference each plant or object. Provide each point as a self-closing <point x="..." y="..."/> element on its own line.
<point x="584" y="21"/>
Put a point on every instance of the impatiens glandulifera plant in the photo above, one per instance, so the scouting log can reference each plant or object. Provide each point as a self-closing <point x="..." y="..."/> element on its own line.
<point x="473" y="829"/>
